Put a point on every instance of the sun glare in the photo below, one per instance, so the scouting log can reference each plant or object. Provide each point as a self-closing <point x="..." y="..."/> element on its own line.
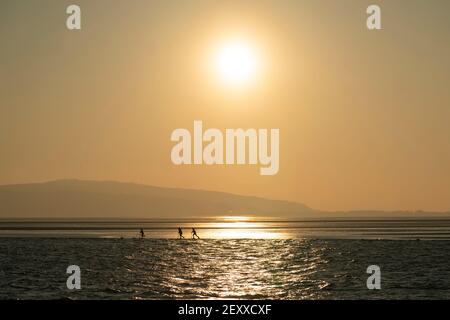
<point x="236" y="62"/>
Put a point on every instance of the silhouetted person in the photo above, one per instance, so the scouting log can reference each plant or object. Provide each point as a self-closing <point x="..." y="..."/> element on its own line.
<point x="180" y="232"/>
<point x="194" y="234"/>
<point x="142" y="233"/>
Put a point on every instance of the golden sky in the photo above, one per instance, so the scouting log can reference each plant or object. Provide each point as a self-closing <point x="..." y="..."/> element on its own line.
<point x="363" y="115"/>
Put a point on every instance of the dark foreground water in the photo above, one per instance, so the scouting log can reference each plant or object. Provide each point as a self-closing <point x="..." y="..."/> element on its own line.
<point x="35" y="268"/>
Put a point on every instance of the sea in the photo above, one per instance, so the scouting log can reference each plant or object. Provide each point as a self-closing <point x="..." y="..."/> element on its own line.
<point x="235" y="258"/>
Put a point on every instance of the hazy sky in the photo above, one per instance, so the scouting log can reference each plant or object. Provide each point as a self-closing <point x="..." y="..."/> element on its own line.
<point x="364" y="116"/>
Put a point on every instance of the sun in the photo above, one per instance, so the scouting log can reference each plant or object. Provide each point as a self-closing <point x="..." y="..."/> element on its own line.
<point x="236" y="62"/>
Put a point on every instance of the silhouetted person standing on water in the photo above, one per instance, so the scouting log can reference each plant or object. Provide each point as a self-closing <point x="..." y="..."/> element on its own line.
<point x="194" y="234"/>
<point x="142" y="233"/>
<point x="180" y="232"/>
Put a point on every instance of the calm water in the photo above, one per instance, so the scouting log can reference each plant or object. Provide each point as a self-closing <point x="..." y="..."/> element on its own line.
<point x="289" y="260"/>
<point x="233" y="228"/>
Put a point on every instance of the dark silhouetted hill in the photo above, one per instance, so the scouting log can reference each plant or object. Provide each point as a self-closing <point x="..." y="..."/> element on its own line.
<point x="106" y="199"/>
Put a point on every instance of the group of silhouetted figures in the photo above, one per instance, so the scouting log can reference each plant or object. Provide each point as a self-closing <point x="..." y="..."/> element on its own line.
<point x="193" y="232"/>
<point x="180" y="233"/>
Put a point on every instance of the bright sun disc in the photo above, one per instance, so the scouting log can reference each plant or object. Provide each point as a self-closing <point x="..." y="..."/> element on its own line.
<point x="236" y="63"/>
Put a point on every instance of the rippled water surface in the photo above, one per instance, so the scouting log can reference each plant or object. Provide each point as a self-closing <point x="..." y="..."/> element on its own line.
<point x="34" y="268"/>
<point x="234" y="228"/>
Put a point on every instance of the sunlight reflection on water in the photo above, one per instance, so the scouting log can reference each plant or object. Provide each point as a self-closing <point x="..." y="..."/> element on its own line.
<point x="232" y="227"/>
<point x="34" y="268"/>
<point x="242" y="227"/>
